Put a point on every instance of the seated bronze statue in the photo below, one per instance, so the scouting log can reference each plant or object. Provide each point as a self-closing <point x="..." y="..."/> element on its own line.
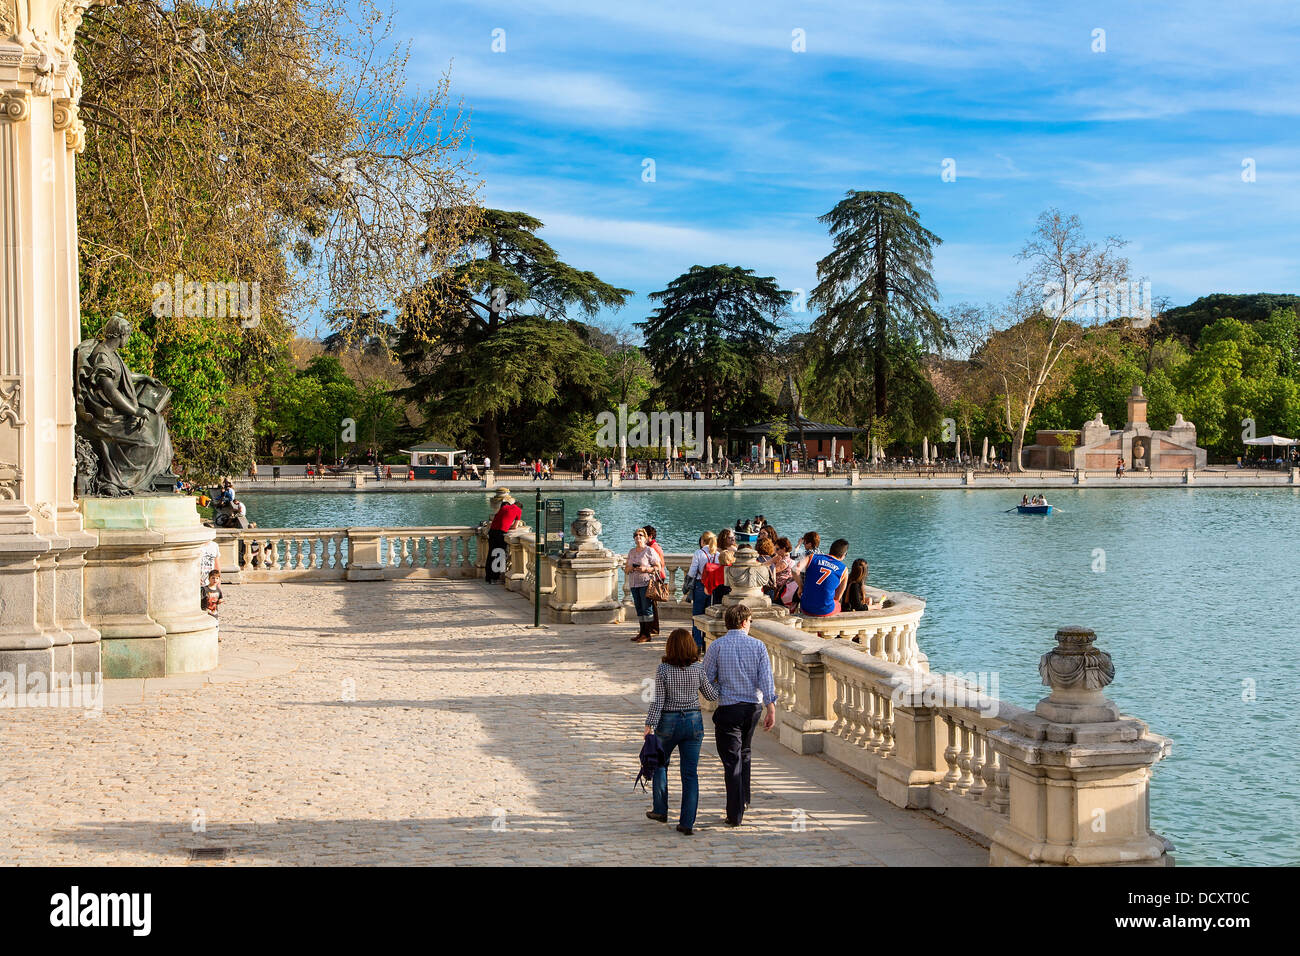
<point x="120" y="418"/>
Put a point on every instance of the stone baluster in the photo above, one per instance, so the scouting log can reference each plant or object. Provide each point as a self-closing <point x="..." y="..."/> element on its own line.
<point x="875" y="720"/>
<point x="841" y="708"/>
<point x="1002" y="798"/>
<point x="857" y="713"/>
<point x="950" y="754"/>
<point x="976" y="791"/>
<point x="990" y="773"/>
<point x="963" y="759"/>
<point x="886" y="708"/>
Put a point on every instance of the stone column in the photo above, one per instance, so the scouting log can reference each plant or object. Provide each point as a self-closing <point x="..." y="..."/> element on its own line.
<point x="42" y="538"/>
<point x="1079" y="771"/>
<point x="586" y="577"/>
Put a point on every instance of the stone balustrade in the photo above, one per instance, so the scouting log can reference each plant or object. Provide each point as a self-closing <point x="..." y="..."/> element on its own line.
<point x="254" y="555"/>
<point x="1064" y="784"/>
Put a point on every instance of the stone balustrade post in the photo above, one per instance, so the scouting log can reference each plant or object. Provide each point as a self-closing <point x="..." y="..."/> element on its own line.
<point x="917" y="762"/>
<point x="802" y="728"/>
<point x="365" y="557"/>
<point x="1079" y="771"/>
<point x="586" y="577"/>
<point x="228" y="557"/>
<point x="517" y="558"/>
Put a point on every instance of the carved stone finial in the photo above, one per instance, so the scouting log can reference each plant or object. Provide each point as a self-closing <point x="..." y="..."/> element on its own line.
<point x="586" y="532"/>
<point x="746" y="578"/>
<point x="1076" y="671"/>
<point x="1074" y="662"/>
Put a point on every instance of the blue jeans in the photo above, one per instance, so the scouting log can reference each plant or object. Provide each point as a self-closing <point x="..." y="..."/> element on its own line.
<point x="699" y="601"/>
<point x="645" y="610"/>
<point x="685" y="731"/>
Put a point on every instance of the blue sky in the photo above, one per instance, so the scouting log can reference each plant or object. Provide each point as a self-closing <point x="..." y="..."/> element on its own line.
<point x="752" y="141"/>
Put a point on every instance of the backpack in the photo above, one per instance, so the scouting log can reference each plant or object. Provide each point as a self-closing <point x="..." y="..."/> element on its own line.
<point x="652" y="758"/>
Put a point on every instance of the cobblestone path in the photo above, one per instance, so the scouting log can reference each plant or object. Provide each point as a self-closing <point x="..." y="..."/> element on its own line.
<point x="410" y="723"/>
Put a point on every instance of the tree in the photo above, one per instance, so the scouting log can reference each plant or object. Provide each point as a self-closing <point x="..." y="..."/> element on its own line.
<point x="271" y="144"/>
<point x="875" y="287"/>
<point x="714" y="330"/>
<point x="1068" y="277"/>
<point x="492" y="338"/>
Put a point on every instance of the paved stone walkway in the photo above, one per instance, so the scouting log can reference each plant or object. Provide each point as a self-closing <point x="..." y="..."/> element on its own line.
<point x="411" y="723"/>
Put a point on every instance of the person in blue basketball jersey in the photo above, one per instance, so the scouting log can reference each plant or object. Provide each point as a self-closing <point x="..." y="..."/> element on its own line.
<point x="824" y="581"/>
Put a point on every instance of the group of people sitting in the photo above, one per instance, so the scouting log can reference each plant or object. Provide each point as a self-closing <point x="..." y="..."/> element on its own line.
<point x="803" y="579"/>
<point x="1027" y="502"/>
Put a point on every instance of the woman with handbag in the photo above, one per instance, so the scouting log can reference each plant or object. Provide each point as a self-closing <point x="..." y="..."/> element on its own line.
<point x="657" y="594"/>
<point x="694" y="586"/>
<point x="641" y="566"/>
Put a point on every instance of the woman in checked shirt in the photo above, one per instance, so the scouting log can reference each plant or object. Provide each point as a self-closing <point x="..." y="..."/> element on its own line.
<point x="675" y="718"/>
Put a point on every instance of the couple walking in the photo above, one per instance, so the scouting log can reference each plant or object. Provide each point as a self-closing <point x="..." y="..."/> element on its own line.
<point x="735" y="672"/>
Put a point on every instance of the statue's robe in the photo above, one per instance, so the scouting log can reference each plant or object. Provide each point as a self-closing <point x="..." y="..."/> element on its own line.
<point x="130" y="460"/>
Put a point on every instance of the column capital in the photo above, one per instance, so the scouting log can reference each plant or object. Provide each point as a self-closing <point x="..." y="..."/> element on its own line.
<point x="15" y="105"/>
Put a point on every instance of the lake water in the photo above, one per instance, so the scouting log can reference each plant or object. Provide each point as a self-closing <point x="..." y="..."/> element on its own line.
<point x="1193" y="592"/>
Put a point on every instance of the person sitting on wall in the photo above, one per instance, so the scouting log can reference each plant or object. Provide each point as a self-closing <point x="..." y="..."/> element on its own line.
<point x="824" y="581"/>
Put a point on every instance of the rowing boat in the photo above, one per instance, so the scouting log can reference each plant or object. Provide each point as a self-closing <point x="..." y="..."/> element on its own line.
<point x="1034" y="509"/>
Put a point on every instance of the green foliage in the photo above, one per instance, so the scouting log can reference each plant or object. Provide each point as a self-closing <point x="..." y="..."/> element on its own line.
<point x="1189" y="321"/>
<point x="711" y="339"/>
<point x="492" y="356"/>
<point x="875" y="290"/>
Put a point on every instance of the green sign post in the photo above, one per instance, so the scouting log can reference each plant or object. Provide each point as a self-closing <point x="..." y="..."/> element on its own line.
<point x="548" y="537"/>
<point x="538" y="539"/>
<point x="554" y="525"/>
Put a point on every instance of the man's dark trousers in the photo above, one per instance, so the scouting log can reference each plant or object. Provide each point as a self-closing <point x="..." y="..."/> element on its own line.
<point x="733" y="729"/>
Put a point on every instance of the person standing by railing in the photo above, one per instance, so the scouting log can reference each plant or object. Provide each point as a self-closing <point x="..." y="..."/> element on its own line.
<point x="507" y="516"/>
<point x="695" y="581"/>
<point x="642" y="562"/>
<point x="651" y="536"/>
<point x="739" y="665"/>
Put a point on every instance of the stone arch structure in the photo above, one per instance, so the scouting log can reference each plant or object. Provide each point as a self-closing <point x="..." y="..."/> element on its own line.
<point x="42" y="539"/>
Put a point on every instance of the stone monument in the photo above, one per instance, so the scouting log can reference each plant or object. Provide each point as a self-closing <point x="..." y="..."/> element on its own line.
<point x="142" y="581"/>
<point x="42" y="540"/>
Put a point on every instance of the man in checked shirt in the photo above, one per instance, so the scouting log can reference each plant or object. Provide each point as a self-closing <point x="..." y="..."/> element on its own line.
<point x="739" y="666"/>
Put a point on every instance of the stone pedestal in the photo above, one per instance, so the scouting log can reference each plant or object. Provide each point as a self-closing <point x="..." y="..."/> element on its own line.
<point x="1079" y="771"/>
<point x="364" y="562"/>
<point x="586" y="578"/>
<point x="142" y="586"/>
<point x="41" y="536"/>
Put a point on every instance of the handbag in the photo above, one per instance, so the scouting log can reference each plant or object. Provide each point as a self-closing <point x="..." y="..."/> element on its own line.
<point x="657" y="590"/>
<point x="688" y="590"/>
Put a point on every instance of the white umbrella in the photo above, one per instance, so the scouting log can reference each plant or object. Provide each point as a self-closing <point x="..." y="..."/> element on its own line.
<point x="1273" y="441"/>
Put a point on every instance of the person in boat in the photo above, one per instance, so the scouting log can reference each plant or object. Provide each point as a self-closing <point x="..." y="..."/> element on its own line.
<point x="1024" y="501"/>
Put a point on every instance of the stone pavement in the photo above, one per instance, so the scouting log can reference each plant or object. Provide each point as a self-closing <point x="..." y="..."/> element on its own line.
<point x="411" y="723"/>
